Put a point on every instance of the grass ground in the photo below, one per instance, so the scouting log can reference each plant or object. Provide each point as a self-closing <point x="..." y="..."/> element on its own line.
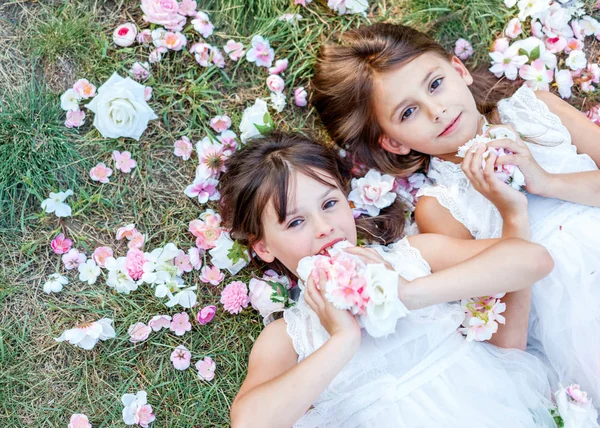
<point x="44" y="47"/>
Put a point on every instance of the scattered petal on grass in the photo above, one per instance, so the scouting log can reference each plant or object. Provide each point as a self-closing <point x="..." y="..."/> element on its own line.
<point x="181" y="358"/>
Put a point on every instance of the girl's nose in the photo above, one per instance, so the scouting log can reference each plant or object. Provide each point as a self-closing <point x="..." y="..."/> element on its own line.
<point x="323" y="226"/>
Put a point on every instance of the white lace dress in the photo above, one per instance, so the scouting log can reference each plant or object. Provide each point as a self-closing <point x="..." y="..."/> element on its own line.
<point x="424" y="374"/>
<point x="564" y="326"/>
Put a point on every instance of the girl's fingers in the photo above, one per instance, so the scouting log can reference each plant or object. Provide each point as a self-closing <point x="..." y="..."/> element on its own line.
<point x="488" y="171"/>
<point x="477" y="162"/>
<point x="511" y="145"/>
<point x="368" y="255"/>
<point x="508" y="160"/>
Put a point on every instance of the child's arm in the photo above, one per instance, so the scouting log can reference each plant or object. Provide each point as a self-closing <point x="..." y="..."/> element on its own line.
<point x="579" y="187"/>
<point x="277" y="390"/>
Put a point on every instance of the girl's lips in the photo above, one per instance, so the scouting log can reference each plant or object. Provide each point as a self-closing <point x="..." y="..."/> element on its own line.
<point x="451" y="126"/>
<point x="326" y="247"/>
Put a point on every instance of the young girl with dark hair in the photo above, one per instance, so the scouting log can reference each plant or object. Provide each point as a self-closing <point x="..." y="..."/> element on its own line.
<point x="399" y="103"/>
<point x="285" y="197"/>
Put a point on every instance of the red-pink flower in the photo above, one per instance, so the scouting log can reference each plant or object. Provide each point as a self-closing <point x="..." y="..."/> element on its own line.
<point x="126" y="232"/>
<point x="101" y="173"/>
<point x="206" y="314"/>
<point x="234" y="297"/>
<point x="180" y="324"/>
<point x="123" y="161"/>
<point x="206" y="369"/>
<point x="220" y="123"/>
<point x="101" y="254"/>
<point x="211" y="275"/>
<point x="60" y="244"/>
<point x="181" y="358"/>
<point x="134" y="263"/>
<point x="183" y="148"/>
<point x="75" y="118"/>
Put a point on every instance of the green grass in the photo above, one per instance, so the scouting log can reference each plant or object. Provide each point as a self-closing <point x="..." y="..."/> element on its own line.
<point x="43" y="382"/>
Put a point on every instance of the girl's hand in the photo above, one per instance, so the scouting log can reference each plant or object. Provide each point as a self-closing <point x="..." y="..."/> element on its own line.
<point x="368" y="255"/>
<point x="335" y="321"/>
<point x="509" y="201"/>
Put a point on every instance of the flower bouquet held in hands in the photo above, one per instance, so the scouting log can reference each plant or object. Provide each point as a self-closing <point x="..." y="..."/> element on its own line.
<point x="369" y="291"/>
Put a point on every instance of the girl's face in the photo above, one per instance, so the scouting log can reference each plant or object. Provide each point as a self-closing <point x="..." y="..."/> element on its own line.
<point x="318" y="216"/>
<point x="426" y="105"/>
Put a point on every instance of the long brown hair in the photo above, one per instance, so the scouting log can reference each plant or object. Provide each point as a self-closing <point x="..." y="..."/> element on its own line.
<point x="342" y="90"/>
<point x="259" y="174"/>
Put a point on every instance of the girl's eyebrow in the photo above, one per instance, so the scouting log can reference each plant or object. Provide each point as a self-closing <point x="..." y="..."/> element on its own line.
<point x="423" y="82"/>
<point x="323" y="196"/>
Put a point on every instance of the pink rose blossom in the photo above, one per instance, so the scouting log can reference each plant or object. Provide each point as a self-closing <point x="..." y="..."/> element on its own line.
<point x="275" y="83"/>
<point x="145" y="37"/>
<point x="123" y="161"/>
<point x="513" y="28"/>
<point x="134" y="263"/>
<point x="181" y="358"/>
<point x="234" y="49"/>
<point x="73" y="258"/>
<point x="261" y="53"/>
<point x="174" y="41"/>
<point x="126" y="232"/>
<point x="220" y="123"/>
<point x="182" y="261"/>
<point x="211" y="275"/>
<point x="144" y="415"/>
<point x="60" y="244"/>
<point x="147" y="93"/>
<point x="183" y="148"/>
<point x="159" y="321"/>
<point x="138" y="332"/>
<point x="206" y="369"/>
<point x="124" y="35"/>
<point x="163" y="12"/>
<point x="140" y="71"/>
<point x="79" y="420"/>
<point x="463" y="49"/>
<point x="101" y="173"/>
<point x="234" y="297"/>
<point x="84" y="88"/>
<point x="577" y="394"/>
<point x="180" y="324"/>
<point x="300" y="96"/>
<point x="195" y="257"/>
<point x="187" y="7"/>
<point x="202" y="24"/>
<point x="101" y="254"/>
<point x="206" y="314"/>
<point x="75" y="118"/>
<point x="280" y="66"/>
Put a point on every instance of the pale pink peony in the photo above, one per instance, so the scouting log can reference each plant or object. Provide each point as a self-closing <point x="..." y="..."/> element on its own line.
<point x="159" y="321"/>
<point x="261" y="52"/>
<point x="183" y="148"/>
<point x="145" y="37"/>
<point x="206" y="314"/>
<point x="134" y="263"/>
<point x="73" y="258"/>
<point x="463" y="49"/>
<point x="138" y="332"/>
<point x="275" y="83"/>
<point x="300" y="95"/>
<point x="211" y="275"/>
<point x="180" y="324"/>
<point x="79" y="420"/>
<point x="234" y="49"/>
<point x="163" y="12"/>
<point x="234" y="297"/>
<point x="181" y="358"/>
<point x="101" y="254"/>
<point x="126" y="232"/>
<point x="206" y="369"/>
<point x="60" y="244"/>
<point x="140" y="71"/>
<point x="202" y="24"/>
<point x="84" y="88"/>
<point x="220" y="123"/>
<point x="123" y="161"/>
<point x="75" y="118"/>
<point x="182" y="261"/>
<point x="101" y="173"/>
<point x="188" y="7"/>
<point x="125" y="34"/>
<point x="280" y="66"/>
<point x="195" y="256"/>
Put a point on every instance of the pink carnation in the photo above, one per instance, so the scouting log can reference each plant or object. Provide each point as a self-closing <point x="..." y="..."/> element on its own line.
<point x="206" y="314"/>
<point x="101" y="254"/>
<point x="60" y="244"/>
<point x="234" y="297"/>
<point x="134" y="263"/>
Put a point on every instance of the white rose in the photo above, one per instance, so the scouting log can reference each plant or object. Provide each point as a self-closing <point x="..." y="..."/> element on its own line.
<point x="260" y="297"/>
<point x="121" y="109"/>
<point x="252" y="116"/>
<point x="125" y="34"/>
<point x="384" y="308"/>
<point x="220" y="256"/>
<point x="574" y="414"/>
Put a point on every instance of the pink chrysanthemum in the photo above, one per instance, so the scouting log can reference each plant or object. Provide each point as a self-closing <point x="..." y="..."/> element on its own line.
<point x="234" y="297"/>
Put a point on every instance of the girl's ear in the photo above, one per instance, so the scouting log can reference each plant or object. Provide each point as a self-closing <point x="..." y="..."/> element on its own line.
<point x="262" y="250"/>
<point x="390" y="145"/>
<point x="461" y="69"/>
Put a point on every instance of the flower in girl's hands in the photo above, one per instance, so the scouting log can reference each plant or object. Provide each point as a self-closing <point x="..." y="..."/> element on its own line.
<point x="575" y="407"/>
<point x="482" y="315"/>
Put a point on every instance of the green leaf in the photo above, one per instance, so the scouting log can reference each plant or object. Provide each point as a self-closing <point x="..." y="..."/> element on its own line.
<point x="237" y="252"/>
<point x="535" y="54"/>
<point x="279" y="293"/>
<point x="523" y="52"/>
